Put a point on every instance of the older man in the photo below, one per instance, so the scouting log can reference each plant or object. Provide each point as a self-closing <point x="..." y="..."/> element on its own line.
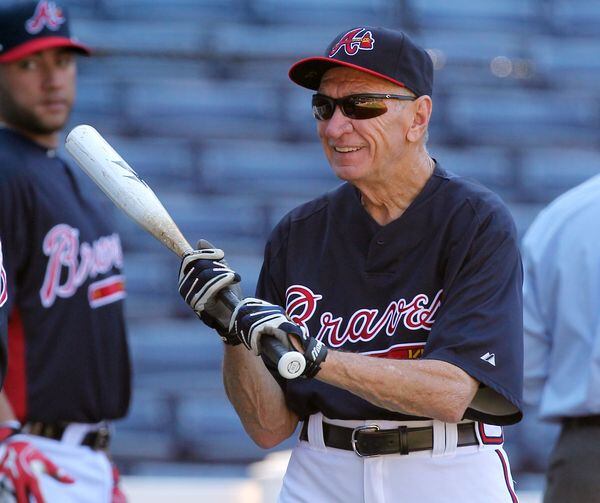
<point x="408" y="276"/>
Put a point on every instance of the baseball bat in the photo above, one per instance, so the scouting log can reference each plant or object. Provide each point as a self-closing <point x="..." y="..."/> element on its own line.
<point x="138" y="201"/>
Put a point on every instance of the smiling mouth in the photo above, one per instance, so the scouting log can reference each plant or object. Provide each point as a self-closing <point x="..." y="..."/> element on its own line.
<point x="346" y="150"/>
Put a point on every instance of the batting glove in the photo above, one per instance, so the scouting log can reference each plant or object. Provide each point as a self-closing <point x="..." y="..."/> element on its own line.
<point x="202" y="275"/>
<point x="254" y="318"/>
<point x="20" y="466"/>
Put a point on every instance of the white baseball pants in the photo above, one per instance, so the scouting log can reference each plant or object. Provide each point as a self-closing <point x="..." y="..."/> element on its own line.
<point x="447" y="474"/>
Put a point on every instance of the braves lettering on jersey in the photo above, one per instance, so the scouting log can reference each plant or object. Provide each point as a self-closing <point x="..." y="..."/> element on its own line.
<point x="67" y="349"/>
<point x="3" y="292"/>
<point x="441" y="282"/>
<point x="3" y="318"/>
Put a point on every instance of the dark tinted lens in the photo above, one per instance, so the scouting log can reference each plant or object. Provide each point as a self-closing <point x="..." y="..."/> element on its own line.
<point x="322" y="107"/>
<point x="363" y="108"/>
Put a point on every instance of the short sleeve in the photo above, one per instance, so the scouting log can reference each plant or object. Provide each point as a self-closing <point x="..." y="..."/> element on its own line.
<point x="537" y="338"/>
<point x="479" y="327"/>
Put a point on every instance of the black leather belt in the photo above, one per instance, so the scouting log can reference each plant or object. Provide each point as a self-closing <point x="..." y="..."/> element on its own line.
<point x="98" y="439"/>
<point x="582" y="421"/>
<point x="369" y="440"/>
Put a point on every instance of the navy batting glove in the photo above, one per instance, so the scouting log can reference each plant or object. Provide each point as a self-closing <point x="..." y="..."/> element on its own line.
<point x="202" y="275"/>
<point x="254" y="318"/>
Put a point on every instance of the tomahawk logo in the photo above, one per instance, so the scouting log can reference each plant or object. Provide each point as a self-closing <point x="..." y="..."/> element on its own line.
<point x="47" y="14"/>
<point x="354" y="41"/>
<point x="3" y="293"/>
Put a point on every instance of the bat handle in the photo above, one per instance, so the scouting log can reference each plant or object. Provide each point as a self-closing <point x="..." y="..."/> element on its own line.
<point x="290" y="364"/>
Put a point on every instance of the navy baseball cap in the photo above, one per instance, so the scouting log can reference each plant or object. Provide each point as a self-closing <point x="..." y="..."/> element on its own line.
<point x="385" y="53"/>
<point x="30" y="27"/>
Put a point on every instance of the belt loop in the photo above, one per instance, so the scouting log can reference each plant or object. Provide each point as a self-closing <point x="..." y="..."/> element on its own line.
<point x="439" y="438"/>
<point x="402" y="432"/>
<point x="451" y="439"/>
<point x="315" y="432"/>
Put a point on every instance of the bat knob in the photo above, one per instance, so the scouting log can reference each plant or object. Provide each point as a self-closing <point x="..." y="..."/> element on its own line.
<point x="291" y="365"/>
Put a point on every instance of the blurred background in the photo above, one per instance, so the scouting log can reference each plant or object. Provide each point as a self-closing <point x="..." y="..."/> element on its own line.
<point x="194" y="94"/>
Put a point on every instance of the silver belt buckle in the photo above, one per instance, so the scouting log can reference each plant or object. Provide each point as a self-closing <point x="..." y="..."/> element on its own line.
<point x="353" y="441"/>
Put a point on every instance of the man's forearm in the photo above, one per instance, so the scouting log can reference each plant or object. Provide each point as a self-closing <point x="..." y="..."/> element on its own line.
<point x="428" y="388"/>
<point x="6" y="410"/>
<point x="256" y="397"/>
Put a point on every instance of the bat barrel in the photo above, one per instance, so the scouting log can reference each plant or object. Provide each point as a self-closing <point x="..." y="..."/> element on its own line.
<point x="135" y="198"/>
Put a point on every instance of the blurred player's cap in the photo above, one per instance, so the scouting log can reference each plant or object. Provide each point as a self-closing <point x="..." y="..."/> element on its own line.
<point x="385" y="53"/>
<point x="30" y="27"/>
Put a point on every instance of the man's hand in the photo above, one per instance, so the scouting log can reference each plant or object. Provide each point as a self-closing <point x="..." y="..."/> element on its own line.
<point x="202" y="275"/>
<point x="254" y="318"/>
<point x="20" y="466"/>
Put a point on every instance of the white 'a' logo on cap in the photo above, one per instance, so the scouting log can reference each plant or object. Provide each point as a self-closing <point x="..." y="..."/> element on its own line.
<point x="47" y="14"/>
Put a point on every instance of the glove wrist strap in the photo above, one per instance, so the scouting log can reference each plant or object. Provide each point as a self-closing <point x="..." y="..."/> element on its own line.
<point x="315" y="354"/>
<point x="228" y="337"/>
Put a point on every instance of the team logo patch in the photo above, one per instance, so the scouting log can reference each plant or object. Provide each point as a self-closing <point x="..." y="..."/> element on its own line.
<point x="47" y="15"/>
<point x="355" y="40"/>
<point x="411" y="351"/>
<point x="3" y="292"/>
<point x="106" y="291"/>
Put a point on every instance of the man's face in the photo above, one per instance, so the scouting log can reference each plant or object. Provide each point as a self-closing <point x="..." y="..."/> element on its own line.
<point x="368" y="149"/>
<point x="37" y="92"/>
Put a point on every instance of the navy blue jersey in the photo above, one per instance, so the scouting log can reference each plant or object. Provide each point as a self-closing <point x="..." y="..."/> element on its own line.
<point x="68" y="354"/>
<point x="3" y="318"/>
<point x="443" y="282"/>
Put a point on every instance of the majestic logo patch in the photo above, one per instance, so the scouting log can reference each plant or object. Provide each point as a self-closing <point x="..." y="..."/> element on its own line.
<point x="490" y="358"/>
<point x="70" y="264"/>
<point x="47" y="14"/>
<point x="3" y="293"/>
<point x="355" y="40"/>
<point x="365" y="324"/>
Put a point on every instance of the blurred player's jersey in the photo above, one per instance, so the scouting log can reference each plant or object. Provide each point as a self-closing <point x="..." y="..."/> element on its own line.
<point x="68" y="352"/>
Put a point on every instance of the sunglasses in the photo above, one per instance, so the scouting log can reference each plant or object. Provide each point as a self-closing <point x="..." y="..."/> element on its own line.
<point x="355" y="106"/>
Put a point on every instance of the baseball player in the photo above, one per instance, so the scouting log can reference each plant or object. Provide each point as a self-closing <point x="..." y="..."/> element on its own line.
<point x="69" y="371"/>
<point x="404" y="285"/>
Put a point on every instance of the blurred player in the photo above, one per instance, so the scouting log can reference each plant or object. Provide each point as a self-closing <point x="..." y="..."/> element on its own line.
<point x="561" y="316"/>
<point x="405" y="287"/>
<point x="69" y="369"/>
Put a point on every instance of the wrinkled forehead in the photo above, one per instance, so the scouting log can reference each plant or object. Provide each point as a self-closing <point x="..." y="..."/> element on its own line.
<point x="341" y="81"/>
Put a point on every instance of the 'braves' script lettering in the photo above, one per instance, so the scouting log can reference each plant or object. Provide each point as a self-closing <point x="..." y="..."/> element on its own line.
<point x="364" y="324"/>
<point x="79" y="262"/>
<point x="3" y="292"/>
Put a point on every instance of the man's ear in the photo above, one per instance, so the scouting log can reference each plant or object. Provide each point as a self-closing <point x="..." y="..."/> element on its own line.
<point x="423" y="107"/>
